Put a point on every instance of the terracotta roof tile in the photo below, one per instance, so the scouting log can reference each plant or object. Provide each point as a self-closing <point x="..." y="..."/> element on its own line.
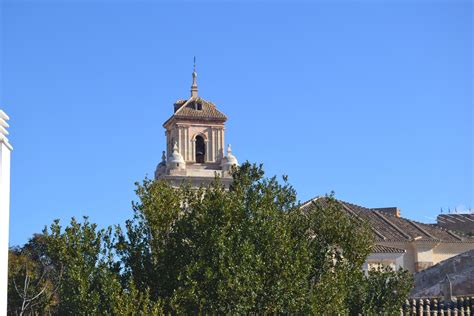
<point x="197" y="108"/>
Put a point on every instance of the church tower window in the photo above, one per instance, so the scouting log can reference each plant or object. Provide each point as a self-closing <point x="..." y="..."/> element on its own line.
<point x="200" y="149"/>
<point x="197" y="106"/>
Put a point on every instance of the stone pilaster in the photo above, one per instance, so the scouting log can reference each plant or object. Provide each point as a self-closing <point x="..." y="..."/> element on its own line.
<point x="206" y="154"/>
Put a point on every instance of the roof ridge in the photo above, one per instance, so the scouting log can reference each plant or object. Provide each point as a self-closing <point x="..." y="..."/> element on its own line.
<point x="382" y="216"/>
<point x="184" y="105"/>
<point x="435" y="226"/>
<point x="452" y="233"/>
<point x="412" y="222"/>
<point x="352" y="204"/>
<point x="207" y="111"/>
<point x="358" y="216"/>
<point x="305" y="203"/>
<point x="421" y="229"/>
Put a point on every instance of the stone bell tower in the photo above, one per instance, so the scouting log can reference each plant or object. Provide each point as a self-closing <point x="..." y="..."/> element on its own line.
<point x="195" y="143"/>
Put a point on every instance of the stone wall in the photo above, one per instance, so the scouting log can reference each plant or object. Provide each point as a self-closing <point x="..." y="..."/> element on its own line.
<point x="452" y="277"/>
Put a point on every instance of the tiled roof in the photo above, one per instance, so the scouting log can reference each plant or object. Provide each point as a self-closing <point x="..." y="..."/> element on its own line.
<point x="197" y="108"/>
<point x="388" y="227"/>
<point x="386" y="249"/>
<point x="465" y="220"/>
<point x="456" y="217"/>
<point x="463" y="223"/>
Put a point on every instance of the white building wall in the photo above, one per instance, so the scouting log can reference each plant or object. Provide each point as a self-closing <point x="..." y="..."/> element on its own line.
<point x="409" y="257"/>
<point x="421" y="255"/>
<point x="375" y="260"/>
<point x="446" y="251"/>
<point x="5" y="149"/>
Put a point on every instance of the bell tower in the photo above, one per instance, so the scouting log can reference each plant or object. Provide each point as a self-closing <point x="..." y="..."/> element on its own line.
<point x="195" y="142"/>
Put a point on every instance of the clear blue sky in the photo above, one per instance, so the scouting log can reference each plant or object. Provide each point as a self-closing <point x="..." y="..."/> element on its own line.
<point x="371" y="99"/>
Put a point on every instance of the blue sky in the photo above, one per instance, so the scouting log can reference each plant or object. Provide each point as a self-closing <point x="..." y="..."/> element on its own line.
<point x="372" y="100"/>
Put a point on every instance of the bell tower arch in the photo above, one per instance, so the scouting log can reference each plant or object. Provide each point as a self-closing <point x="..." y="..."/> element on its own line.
<point x="200" y="145"/>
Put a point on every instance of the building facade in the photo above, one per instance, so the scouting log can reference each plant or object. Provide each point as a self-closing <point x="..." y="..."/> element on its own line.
<point x="5" y="150"/>
<point x="195" y="143"/>
<point x="400" y="242"/>
<point x="384" y="256"/>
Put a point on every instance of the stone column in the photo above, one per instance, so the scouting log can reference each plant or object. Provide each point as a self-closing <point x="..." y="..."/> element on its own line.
<point x="186" y="142"/>
<point x="178" y="138"/>
<point x="183" y="142"/>
<point x="5" y="151"/>
<point x="211" y="144"/>
<point x="193" y="151"/>
<point x="215" y="147"/>
<point x="168" y="140"/>
<point x="218" y="142"/>
<point x="221" y="143"/>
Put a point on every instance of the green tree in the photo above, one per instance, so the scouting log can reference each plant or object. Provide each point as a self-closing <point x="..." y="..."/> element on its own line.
<point x="212" y="250"/>
<point x="384" y="290"/>
<point x="338" y="244"/>
<point x="32" y="282"/>
<point x="90" y="280"/>
<point x="249" y="248"/>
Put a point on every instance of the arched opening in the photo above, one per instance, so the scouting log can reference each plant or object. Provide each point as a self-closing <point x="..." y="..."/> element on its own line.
<point x="200" y="149"/>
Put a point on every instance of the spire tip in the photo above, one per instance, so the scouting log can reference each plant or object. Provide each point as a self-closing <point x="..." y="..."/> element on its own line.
<point x="194" y="88"/>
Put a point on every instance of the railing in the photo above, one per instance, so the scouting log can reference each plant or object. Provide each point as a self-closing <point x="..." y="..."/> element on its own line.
<point x="461" y="306"/>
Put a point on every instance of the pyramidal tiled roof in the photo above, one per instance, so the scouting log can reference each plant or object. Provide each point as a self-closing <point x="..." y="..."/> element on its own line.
<point x="387" y="227"/>
<point x="197" y="108"/>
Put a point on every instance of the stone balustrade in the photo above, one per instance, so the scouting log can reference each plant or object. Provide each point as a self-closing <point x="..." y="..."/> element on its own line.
<point x="460" y="306"/>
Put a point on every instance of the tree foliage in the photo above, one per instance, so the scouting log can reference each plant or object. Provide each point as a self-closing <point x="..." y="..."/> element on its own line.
<point x="89" y="280"/>
<point x="216" y="250"/>
<point x="338" y="245"/>
<point x="249" y="248"/>
<point x="384" y="291"/>
<point x="32" y="281"/>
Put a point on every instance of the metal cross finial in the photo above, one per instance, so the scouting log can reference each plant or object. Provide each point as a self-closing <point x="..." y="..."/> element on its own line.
<point x="194" y="88"/>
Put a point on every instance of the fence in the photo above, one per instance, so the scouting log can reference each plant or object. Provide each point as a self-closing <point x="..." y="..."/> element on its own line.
<point x="461" y="306"/>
